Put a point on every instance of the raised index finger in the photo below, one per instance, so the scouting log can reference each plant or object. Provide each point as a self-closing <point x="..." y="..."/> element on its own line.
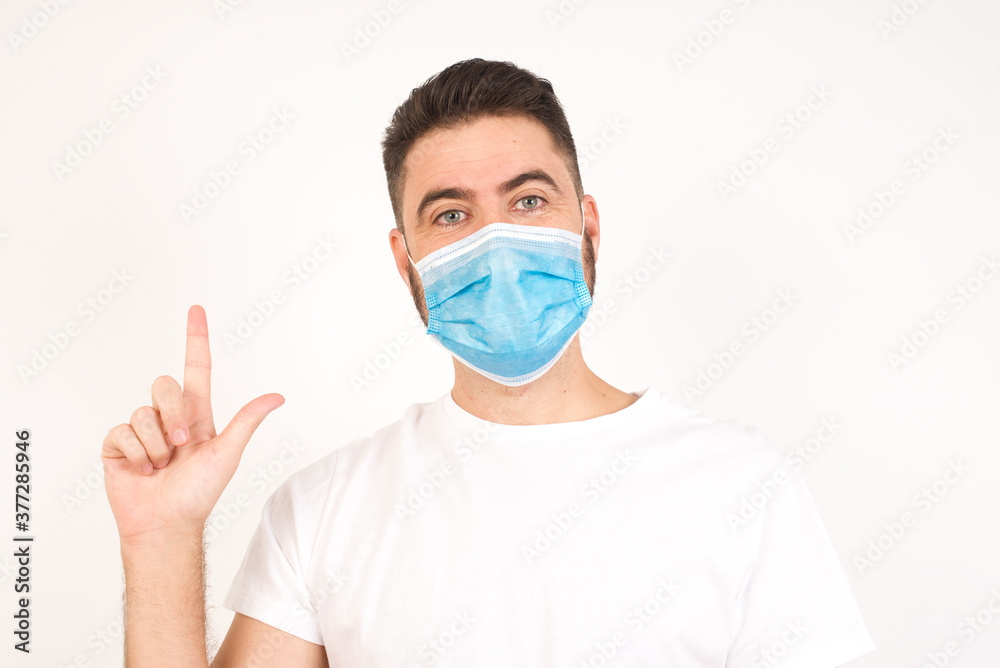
<point x="198" y="372"/>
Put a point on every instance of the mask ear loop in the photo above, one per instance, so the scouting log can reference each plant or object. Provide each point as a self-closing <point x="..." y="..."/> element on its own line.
<point x="583" y="297"/>
<point x="407" y="251"/>
<point x="433" y="321"/>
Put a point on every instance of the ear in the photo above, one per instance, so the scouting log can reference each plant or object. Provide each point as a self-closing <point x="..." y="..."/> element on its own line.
<point x="398" y="249"/>
<point x="592" y="222"/>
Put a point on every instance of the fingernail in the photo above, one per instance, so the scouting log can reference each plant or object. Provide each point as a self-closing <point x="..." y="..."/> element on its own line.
<point x="147" y="469"/>
<point x="179" y="436"/>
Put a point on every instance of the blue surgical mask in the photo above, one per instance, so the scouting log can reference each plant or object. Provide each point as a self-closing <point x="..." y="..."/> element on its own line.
<point x="506" y="300"/>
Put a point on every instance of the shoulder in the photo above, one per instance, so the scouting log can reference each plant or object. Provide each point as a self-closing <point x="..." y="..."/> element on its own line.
<point x="725" y="433"/>
<point x="721" y="443"/>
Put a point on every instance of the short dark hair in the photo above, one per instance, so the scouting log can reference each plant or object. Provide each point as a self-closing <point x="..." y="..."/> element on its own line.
<point x="464" y="92"/>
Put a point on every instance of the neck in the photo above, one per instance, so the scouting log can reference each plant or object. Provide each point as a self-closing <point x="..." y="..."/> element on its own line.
<point x="567" y="392"/>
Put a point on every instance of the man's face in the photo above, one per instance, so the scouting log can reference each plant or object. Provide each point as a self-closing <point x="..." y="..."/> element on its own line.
<point x="496" y="169"/>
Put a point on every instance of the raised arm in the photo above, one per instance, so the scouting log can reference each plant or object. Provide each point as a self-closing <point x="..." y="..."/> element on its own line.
<point x="164" y="473"/>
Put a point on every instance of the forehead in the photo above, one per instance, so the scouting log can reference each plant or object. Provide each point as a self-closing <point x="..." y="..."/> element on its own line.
<point x="486" y="150"/>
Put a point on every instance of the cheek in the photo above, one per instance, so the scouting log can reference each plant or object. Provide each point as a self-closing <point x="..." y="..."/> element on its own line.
<point x="415" y="286"/>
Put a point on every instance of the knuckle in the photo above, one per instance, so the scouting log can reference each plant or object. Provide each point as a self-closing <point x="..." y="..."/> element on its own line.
<point x="124" y="434"/>
<point x="128" y="444"/>
<point x="144" y="416"/>
<point x="164" y="383"/>
<point x="159" y="459"/>
<point x="129" y="440"/>
<point x="115" y="437"/>
<point x="188" y="394"/>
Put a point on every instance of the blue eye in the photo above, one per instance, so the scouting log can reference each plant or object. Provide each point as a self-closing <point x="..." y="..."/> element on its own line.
<point x="450" y="217"/>
<point x="531" y="202"/>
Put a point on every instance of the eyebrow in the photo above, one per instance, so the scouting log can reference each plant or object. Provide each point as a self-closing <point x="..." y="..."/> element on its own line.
<point x="502" y="189"/>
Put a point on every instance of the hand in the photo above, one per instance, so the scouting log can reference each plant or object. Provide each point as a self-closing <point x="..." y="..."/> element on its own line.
<point x="165" y="470"/>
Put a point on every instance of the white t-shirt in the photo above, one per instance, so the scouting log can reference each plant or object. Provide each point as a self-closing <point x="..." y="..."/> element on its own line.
<point x="653" y="536"/>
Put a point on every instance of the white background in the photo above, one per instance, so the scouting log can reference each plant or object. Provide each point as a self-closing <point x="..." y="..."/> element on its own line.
<point x="672" y="132"/>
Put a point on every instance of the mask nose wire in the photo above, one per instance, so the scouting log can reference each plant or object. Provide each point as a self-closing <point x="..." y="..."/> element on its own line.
<point x="583" y="229"/>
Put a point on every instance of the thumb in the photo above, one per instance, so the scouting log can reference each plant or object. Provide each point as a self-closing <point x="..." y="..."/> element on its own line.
<point x="234" y="438"/>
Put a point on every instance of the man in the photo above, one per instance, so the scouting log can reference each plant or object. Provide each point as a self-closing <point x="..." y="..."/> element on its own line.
<point x="532" y="516"/>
